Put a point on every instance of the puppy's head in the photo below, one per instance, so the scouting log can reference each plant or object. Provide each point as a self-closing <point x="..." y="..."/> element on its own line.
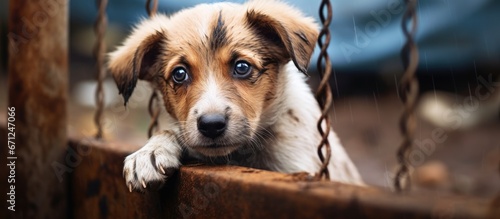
<point x="218" y="67"/>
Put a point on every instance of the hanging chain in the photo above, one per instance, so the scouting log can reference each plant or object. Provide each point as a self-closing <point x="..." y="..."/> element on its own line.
<point x="99" y="50"/>
<point x="324" y="93"/>
<point x="154" y="112"/>
<point x="154" y="102"/>
<point x="409" y="89"/>
<point x="151" y="10"/>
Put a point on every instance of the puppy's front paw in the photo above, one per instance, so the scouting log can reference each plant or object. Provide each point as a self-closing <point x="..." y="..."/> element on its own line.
<point x="151" y="165"/>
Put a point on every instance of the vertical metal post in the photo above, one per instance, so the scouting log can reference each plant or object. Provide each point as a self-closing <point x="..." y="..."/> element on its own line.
<point x="37" y="86"/>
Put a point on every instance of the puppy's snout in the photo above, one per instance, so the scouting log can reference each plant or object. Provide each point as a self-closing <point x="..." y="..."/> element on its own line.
<point x="212" y="125"/>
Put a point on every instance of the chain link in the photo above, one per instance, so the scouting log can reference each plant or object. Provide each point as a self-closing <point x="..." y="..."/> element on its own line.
<point x="154" y="106"/>
<point x="151" y="9"/>
<point x="99" y="52"/>
<point x="324" y="93"/>
<point x="154" y="112"/>
<point x="409" y="88"/>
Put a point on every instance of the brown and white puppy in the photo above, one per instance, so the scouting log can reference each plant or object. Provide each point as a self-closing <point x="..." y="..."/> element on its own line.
<point x="230" y="76"/>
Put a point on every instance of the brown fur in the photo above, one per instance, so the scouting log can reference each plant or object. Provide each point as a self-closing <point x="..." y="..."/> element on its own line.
<point x="261" y="35"/>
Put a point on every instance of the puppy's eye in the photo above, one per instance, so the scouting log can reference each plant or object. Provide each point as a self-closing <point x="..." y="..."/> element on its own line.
<point x="180" y="75"/>
<point x="242" y="69"/>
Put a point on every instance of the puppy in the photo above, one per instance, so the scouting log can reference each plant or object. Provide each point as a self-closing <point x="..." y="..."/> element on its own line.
<point x="231" y="77"/>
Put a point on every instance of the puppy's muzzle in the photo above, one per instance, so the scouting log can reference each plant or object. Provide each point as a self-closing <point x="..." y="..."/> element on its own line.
<point x="212" y="125"/>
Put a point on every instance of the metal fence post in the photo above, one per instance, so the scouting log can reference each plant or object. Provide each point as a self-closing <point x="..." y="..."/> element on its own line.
<point x="38" y="89"/>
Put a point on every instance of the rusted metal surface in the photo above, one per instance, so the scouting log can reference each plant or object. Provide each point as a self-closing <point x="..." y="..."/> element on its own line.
<point x="99" y="55"/>
<point x="98" y="189"/>
<point x="4" y="171"/>
<point x="199" y="191"/>
<point x="409" y="94"/>
<point x="37" y="86"/>
<point x="324" y="93"/>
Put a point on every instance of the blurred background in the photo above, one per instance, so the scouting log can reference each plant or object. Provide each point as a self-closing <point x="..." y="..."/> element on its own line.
<point x="459" y="64"/>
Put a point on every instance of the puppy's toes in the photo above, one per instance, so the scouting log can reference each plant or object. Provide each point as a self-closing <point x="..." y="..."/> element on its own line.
<point x="164" y="163"/>
<point x="146" y="169"/>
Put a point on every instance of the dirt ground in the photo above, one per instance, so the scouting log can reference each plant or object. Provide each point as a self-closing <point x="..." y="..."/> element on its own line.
<point x="466" y="162"/>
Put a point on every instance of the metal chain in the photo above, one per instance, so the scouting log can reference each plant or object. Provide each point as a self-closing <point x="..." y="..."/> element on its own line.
<point x="154" y="106"/>
<point x="409" y="88"/>
<point x="151" y="10"/>
<point x="99" y="53"/>
<point x="154" y="112"/>
<point x="324" y="93"/>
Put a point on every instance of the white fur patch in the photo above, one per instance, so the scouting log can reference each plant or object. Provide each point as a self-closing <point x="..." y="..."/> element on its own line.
<point x="294" y="148"/>
<point x="211" y="100"/>
<point x="151" y="162"/>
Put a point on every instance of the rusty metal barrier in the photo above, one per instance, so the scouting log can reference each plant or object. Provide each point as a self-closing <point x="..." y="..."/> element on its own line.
<point x="324" y="93"/>
<point x="154" y="102"/>
<point x="34" y="108"/>
<point x="99" y="53"/>
<point x="203" y="191"/>
<point x="409" y="88"/>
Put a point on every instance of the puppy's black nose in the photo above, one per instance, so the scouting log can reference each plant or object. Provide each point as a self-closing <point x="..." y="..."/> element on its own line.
<point x="212" y="125"/>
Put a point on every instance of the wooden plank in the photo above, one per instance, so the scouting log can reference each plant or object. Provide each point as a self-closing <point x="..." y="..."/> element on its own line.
<point x="37" y="86"/>
<point x="199" y="191"/>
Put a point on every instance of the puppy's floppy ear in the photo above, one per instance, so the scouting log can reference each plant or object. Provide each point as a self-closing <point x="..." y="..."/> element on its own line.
<point x="286" y="27"/>
<point x="137" y="58"/>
